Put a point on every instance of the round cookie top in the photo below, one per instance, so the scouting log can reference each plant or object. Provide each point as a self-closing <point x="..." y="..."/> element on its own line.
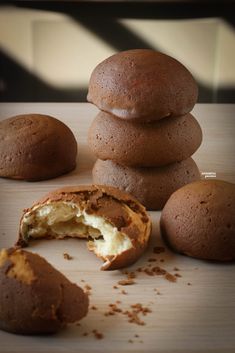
<point x="199" y="220"/>
<point x="36" y="147"/>
<point x="142" y="85"/>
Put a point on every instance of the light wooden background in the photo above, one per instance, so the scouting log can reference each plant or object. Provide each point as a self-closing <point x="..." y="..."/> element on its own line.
<point x="185" y="318"/>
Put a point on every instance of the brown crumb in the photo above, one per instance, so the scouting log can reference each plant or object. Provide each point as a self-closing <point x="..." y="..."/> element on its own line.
<point x="115" y="308"/>
<point x="82" y="280"/>
<point x="85" y="334"/>
<point x="162" y="260"/>
<point x="126" y="282"/>
<point x="109" y="313"/>
<point x="189" y="284"/>
<point x="158" y="271"/>
<point x="140" y="308"/>
<point x="158" y="249"/>
<point x="98" y="335"/>
<point x="170" y="277"/>
<point x="131" y="275"/>
<point x="139" y="269"/>
<point x="177" y="275"/>
<point x="87" y="289"/>
<point x="93" y="307"/>
<point x="148" y="272"/>
<point x="115" y="287"/>
<point x="130" y="341"/>
<point x="134" y="318"/>
<point x="123" y="292"/>
<point x="124" y="272"/>
<point x="152" y="259"/>
<point x="132" y="314"/>
<point x="67" y="256"/>
<point x="176" y="269"/>
<point x="136" y="335"/>
<point x="157" y="291"/>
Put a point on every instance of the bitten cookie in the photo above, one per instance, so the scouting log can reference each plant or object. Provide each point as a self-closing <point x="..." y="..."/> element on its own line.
<point x="199" y="220"/>
<point x="151" y="186"/>
<point x="116" y="224"/>
<point x="142" y="85"/>
<point x="35" y="298"/>
<point x="144" y="145"/>
<point x="36" y="147"/>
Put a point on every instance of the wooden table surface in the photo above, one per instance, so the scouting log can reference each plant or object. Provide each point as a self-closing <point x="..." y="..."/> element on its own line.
<point x="199" y="317"/>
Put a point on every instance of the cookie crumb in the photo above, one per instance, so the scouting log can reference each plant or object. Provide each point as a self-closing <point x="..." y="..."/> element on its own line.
<point x="124" y="292"/>
<point x="93" y="307"/>
<point x="159" y="271"/>
<point x="109" y="313"/>
<point x="177" y="275"/>
<point x="170" y="277"/>
<point x="67" y="256"/>
<point x="126" y="282"/>
<point x="158" y="249"/>
<point x="131" y="275"/>
<point x="87" y="289"/>
<point x="189" y="284"/>
<point x="157" y="291"/>
<point x="151" y="259"/>
<point x="98" y="335"/>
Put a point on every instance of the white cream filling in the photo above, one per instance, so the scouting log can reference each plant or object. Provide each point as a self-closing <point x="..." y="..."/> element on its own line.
<point x="60" y="219"/>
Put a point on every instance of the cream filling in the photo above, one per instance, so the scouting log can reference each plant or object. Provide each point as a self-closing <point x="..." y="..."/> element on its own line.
<point x="60" y="219"/>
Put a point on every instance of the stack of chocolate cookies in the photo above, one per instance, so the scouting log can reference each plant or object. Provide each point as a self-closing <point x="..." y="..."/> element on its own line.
<point x="144" y="135"/>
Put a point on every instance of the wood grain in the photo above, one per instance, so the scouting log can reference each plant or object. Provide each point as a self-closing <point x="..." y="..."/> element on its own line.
<point x="185" y="318"/>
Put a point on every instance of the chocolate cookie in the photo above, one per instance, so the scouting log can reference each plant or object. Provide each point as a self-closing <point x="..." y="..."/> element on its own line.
<point x="142" y="85"/>
<point x="116" y="224"/>
<point x="35" y="298"/>
<point x="36" y="147"/>
<point x="199" y="220"/>
<point x="144" y="145"/>
<point x="151" y="186"/>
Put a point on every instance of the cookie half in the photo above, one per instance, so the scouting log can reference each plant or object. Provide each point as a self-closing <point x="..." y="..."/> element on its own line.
<point x="115" y="223"/>
<point x="151" y="186"/>
<point x="35" y="298"/>
<point x="36" y="147"/>
<point x="199" y="220"/>
<point x="142" y="85"/>
<point x="144" y="145"/>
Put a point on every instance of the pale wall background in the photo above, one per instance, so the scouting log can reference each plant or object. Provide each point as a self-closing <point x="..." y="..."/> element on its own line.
<point x="61" y="52"/>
